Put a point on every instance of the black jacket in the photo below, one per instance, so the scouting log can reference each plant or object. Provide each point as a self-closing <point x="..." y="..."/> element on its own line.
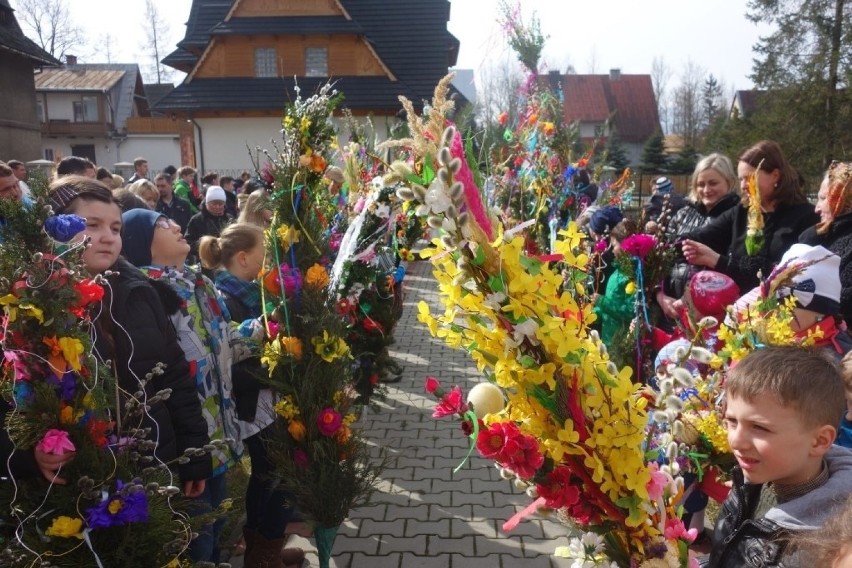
<point x="838" y="240"/>
<point x="741" y="541"/>
<point x="247" y="374"/>
<point x="204" y="224"/>
<point x="727" y="234"/>
<point x="689" y="218"/>
<point x="659" y="201"/>
<point x="179" y="211"/>
<point x="148" y="338"/>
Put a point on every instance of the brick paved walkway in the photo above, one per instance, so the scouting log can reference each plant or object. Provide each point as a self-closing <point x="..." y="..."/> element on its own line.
<point x="426" y="516"/>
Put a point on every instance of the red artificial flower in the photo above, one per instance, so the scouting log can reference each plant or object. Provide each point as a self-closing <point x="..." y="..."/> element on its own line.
<point x="300" y="458"/>
<point x="432" y="384"/>
<point x="558" y="491"/>
<point x="98" y="430"/>
<point x="372" y="325"/>
<point x="344" y="306"/>
<point x="374" y="379"/>
<point x="521" y="455"/>
<point x="452" y="403"/>
<point x="503" y="118"/>
<point x="89" y="292"/>
<point x="492" y="440"/>
<point x="638" y="245"/>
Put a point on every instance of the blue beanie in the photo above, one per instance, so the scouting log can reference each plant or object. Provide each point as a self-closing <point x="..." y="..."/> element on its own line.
<point x="138" y="234"/>
<point x="605" y="219"/>
<point x="663" y="184"/>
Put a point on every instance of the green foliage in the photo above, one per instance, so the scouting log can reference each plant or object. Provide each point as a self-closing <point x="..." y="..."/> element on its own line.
<point x="614" y="154"/>
<point x="654" y="158"/>
<point x="526" y="41"/>
<point x="684" y="161"/>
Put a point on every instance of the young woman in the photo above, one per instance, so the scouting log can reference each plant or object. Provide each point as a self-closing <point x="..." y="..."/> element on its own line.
<point x="155" y="244"/>
<point x="239" y="250"/>
<point x="714" y="185"/>
<point x="134" y="331"/>
<point x="721" y="246"/>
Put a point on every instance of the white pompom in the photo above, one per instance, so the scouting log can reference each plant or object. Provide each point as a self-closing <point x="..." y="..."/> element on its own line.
<point x="486" y="398"/>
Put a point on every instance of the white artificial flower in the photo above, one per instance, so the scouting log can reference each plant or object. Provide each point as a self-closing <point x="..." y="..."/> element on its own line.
<point x="495" y="300"/>
<point x="436" y="197"/>
<point x="526" y="329"/>
<point x="383" y="211"/>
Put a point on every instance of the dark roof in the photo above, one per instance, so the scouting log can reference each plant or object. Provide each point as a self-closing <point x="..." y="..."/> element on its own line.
<point x="288" y="25"/>
<point x="410" y="38"/>
<point x="272" y="93"/>
<point x="593" y="98"/>
<point x="12" y="39"/>
<point x="156" y="91"/>
<point x="748" y="101"/>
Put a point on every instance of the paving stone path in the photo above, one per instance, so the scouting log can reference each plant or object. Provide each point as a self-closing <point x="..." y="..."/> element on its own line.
<point x="425" y="515"/>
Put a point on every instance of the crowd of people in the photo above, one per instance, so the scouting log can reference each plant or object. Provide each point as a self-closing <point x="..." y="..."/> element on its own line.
<point x="148" y="238"/>
<point x="772" y="396"/>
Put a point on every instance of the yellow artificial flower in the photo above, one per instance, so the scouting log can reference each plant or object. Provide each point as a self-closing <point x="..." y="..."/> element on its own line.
<point x="330" y="347"/>
<point x="271" y="355"/>
<point x="72" y="350"/>
<point x="630" y="288"/>
<point x="66" y="527"/>
<point x="12" y="305"/>
<point x="317" y="276"/>
<point x="286" y="408"/>
<point x="288" y="236"/>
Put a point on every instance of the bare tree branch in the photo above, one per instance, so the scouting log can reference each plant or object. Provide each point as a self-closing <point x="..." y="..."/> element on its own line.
<point x="50" y="24"/>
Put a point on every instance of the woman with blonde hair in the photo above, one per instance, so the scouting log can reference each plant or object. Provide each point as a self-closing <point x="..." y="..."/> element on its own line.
<point x="147" y="191"/>
<point x="713" y="190"/>
<point x="834" y="230"/>
<point x="257" y="209"/>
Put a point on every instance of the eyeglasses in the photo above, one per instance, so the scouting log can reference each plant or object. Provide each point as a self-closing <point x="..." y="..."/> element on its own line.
<point x="165" y="223"/>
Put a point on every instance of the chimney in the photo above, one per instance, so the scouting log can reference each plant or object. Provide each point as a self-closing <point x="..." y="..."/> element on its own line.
<point x="614" y="74"/>
<point x="70" y="59"/>
<point x="555" y="79"/>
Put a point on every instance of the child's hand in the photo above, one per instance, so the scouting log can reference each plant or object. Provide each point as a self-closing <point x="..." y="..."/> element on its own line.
<point x="49" y="464"/>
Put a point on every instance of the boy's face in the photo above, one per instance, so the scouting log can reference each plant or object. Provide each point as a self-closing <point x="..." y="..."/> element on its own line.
<point x="771" y="442"/>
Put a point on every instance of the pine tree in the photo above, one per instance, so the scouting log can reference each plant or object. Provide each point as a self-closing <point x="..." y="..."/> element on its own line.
<point x="711" y="98"/>
<point x="685" y="161"/>
<point x="654" y="158"/>
<point x="614" y="154"/>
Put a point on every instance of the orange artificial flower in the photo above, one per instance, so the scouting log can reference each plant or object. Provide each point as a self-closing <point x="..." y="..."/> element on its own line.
<point x="292" y="346"/>
<point x="297" y="430"/>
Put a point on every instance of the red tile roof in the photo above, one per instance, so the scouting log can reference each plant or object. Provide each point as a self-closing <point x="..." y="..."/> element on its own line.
<point x="592" y="98"/>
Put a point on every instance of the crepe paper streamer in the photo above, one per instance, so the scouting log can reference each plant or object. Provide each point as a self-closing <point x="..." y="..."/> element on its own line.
<point x="324" y="537"/>
<point x="522" y="514"/>
<point x="518" y="228"/>
<point x="472" y="196"/>
<point x="712" y="487"/>
<point x="470" y="415"/>
<point x="88" y="542"/>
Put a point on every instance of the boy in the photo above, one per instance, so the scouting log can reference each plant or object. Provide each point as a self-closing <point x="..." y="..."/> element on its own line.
<point x="783" y="404"/>
<point x="844" y="434"/>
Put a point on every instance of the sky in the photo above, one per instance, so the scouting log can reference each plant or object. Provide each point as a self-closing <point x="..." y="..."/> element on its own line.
<point x="593" y="36"/>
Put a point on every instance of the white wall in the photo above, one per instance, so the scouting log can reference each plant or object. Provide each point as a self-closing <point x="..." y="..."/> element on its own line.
<point x="225" y="140"/>
<point x="60" y="106"/>
<point x="160" y="150"/>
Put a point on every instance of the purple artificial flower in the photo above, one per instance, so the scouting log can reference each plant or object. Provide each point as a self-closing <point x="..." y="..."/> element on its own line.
<point x="63" y="228"/>
<point x="119" y="509"/>
<point x="66" y="387"/>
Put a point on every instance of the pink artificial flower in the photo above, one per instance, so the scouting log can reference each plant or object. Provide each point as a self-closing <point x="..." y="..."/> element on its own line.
<point x="329" y="422"/>
<point x="601" y="246"/>
<point x="432" y="384"/>
<point x="676" y="531"/>
<point x="272" y="329"/>
<point x="359" y="206"/>
<point x="452" y="403"/>
<point x="56" y="442"/>
<point x="658" y="482"/>
<point x="22" y="372"/>
<point x="638" y="245"/>
<point x="300" y="458"/>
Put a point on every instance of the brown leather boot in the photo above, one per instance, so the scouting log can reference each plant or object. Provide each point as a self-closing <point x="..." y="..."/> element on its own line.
<point x="292" y="557"/>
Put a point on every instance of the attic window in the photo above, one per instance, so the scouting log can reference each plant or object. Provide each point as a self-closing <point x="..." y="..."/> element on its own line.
<point x="316" y="62"/>
<point x="265" y="62"/>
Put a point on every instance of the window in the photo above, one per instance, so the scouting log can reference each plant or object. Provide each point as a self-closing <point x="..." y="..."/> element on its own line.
<point x="265" y="62"/>
<point x="316" y="62"/>
<point x="86" y="110"/>
<point x="48" y="154"/>
<point x="40" y="110"/>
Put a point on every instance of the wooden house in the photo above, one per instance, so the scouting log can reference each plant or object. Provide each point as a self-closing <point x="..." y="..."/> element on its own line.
<point x="243" y="59"/>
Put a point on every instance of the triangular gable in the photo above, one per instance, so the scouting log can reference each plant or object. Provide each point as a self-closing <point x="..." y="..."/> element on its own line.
<point x="271" y="8"/>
